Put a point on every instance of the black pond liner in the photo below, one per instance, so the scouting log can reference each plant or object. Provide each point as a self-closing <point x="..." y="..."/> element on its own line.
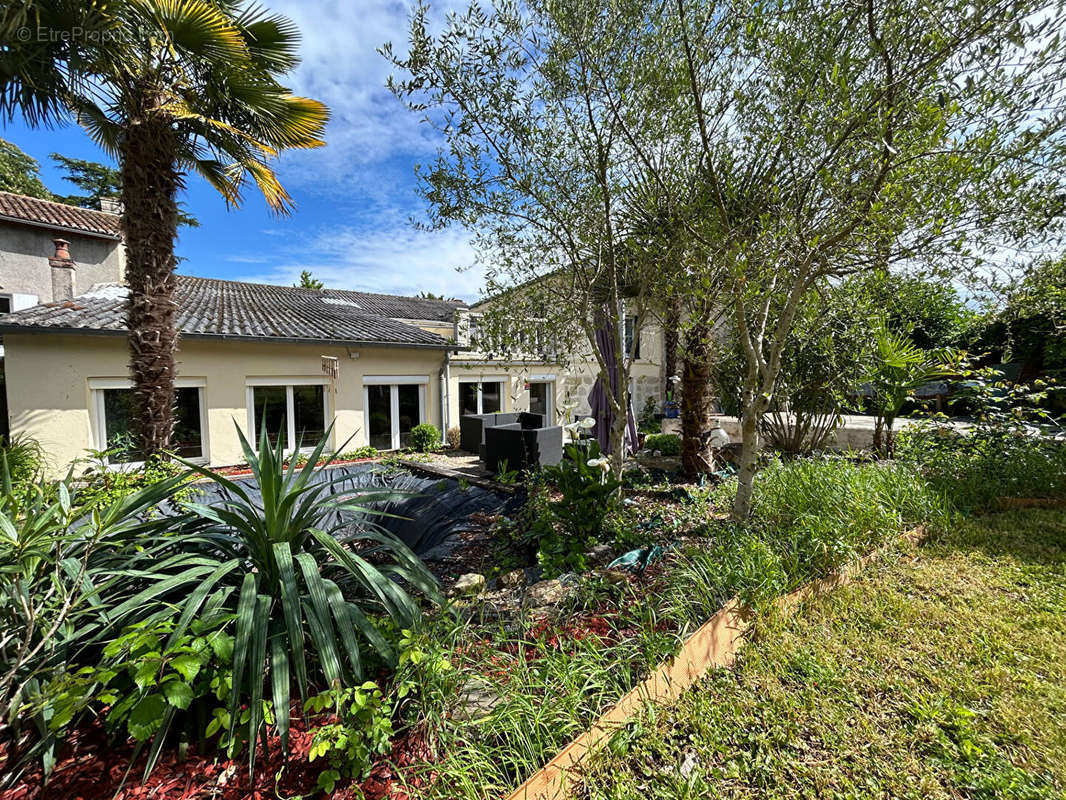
<point x="425" y="511"/>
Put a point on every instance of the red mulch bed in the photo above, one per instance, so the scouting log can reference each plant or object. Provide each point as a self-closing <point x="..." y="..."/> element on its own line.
<point x="240" y="470"/>
<point x="92" y="768"/>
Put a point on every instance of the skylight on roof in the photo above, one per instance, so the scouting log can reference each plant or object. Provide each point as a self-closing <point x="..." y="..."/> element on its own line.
<point x="335" y="301"/>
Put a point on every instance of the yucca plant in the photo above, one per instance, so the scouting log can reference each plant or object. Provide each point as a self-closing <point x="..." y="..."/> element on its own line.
<point x="302" y="582"/>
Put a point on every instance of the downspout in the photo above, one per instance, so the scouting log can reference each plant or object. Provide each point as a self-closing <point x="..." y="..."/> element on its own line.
<point x="445" y="399"/>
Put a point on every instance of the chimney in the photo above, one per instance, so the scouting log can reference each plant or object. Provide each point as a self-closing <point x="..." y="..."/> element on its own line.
<point x="111" y="205"/>
<point x="63" y="269"/>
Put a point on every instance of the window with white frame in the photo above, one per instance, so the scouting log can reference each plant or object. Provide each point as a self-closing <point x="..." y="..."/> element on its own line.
<point x="631" y="334"/>
<point x="392" y="406"/>
<point x="480" y="396"/>
<point x="294" y="410"/>
<point x="114" y="414"/>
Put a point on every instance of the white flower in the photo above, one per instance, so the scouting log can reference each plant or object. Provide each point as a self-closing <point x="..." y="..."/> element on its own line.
<point x="588" y="423"/>
<point x="674" y="379"/>
<point x="599" y="462"/>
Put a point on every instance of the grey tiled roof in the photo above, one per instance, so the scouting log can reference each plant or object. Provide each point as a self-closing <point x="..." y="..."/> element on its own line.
<point x="389" y="305"/>
<point x="59" y="215"/>
<point x="211" y="308"/>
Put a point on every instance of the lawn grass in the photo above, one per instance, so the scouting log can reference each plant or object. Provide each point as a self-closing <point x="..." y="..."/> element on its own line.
<point x="938" y="674"/>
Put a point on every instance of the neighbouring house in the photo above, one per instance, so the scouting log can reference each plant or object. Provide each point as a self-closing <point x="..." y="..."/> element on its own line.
<point x="253" y="355"/>
<point x="28" y="230"/>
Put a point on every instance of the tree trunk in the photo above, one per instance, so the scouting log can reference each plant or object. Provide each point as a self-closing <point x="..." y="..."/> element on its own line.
<point x="670" y="342"/>
<point x="749" y="460"/>
<point x="150" y="183"/>
<point x="697" y="401"/>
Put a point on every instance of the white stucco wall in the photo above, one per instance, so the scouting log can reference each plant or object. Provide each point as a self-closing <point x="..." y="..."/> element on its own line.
<point x="49" y="394"/>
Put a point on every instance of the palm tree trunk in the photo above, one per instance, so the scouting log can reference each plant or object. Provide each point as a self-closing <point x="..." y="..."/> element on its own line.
<point x="696" y="400"/>
<point x="670" y="342"/>
<point x="150" y="183"/>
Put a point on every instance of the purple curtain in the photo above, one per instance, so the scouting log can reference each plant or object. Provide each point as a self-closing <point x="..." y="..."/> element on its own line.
<point x="601" y="406"/>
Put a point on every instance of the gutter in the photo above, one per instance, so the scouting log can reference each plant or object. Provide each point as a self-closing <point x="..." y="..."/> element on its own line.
<point x="51" y="226"/>
<point x="45" y="330"/>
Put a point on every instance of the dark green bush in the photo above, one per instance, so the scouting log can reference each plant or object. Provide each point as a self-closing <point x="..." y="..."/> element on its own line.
<point x="669" y="444"/>
<point x="425" y="437"/>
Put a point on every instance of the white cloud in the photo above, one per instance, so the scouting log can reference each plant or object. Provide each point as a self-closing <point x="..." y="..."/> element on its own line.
<point x="342" y="68"/>
<point x="388" y="259"/>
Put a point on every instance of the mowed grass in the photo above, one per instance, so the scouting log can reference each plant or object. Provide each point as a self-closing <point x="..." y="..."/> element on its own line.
<point x="940" y="673"/>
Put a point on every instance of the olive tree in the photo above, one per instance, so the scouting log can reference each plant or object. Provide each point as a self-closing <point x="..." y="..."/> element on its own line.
<point x="837" y="138"/>
<point x="530" y="100"/>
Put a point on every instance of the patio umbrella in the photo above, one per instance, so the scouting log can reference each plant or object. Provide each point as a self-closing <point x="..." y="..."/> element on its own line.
<point x="601" y="406"/>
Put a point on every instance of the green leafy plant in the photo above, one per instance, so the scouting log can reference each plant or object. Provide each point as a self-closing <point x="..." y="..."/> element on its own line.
<point x="363" y="730"/>
<point x="297" y="578"/>
<point x="366" y="451"/>
<point x="669" y="444"/>
<point x="143" y="680"/>
<point x="573" y="523"/>
<point x="1014" y="448"/>
<point x="899" y="368"/>
<point x="425" y="437"/>
<point x="649" y="418"/>
<point x="65" y="578"/>
<point x="24" y="457"/>
<point x="103" y="484"/>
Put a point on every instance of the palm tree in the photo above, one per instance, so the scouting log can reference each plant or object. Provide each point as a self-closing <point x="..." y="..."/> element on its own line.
<point x="900" y="367"/>
<point x="167" y="87"/>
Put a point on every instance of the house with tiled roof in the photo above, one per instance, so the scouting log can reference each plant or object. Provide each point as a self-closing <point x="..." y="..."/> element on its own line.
<point x="28" y="230"/>
<point x="249" y="355"/>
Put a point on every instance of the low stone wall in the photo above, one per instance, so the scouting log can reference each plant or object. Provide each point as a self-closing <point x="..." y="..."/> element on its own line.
<point x="857" y="432"/>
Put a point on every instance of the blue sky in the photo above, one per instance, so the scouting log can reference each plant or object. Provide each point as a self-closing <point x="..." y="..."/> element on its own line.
<point x="354" y="198"/>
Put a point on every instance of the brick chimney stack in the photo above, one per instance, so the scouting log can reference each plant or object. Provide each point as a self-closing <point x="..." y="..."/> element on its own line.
<point x="63" y="272"/>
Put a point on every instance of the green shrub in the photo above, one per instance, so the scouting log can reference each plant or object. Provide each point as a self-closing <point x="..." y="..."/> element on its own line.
<point x="974" y="470"/>
<point x="669" y="444"/>
<point x="366" y="451"/>
<point x="103" y="485"/>
<point x="64" y="576"/>
<point x="425" y="437"/>
<point x="1014" y="449"/>
<point x="649" y="418"/>
<point x="363" y="731"/>
<point x="146" y="677"/>
<point x="573" y="523"/>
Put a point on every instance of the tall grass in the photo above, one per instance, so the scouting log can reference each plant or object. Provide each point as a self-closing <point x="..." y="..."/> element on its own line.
<point x="810" y="518"/>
